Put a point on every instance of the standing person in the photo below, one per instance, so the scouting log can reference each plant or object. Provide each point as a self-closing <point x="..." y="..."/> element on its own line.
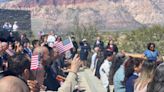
<point x="40" y="34"/>
<point x="4" y="46"/>
<point x="6" y="31"/>
<point x="100" y="60"/>
<point x="18" y="48"/>
<point x="119" y="76"/>
<point x="27" y="49"/>
<point x="75" y="47"/>
<point x="10" y="51"/>
<point x="43" y="40"/>
<point x="118" y="60"/>
<point x="51" y="72"/>
<point x="11" y="37"/>
<point x="15" y="26"/>
<point x="132" y="73"/>
<point x="151" y="53"/>
<point x="24" y="39"/>
<point x="35" y="44"/>
<point x="157" y="83"/>
<point x="58" y="39"/>
<point x="94" y="59"/>
<point x="5" y="54"/>
<point x="51" y="39"/>
<point x="45" y="61"/>
<point x="84" y="51"/>
<point x="10" y="26"/>
<point x="145" y="77"/>
<point x="7" y="26"/>
<point x="112" y="47"/>
<point x="99" y="43"/>
<point x="104" y="70"/>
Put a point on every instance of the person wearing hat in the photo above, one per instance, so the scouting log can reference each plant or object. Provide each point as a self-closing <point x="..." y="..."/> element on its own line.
<point x="105" y="69"/>
<point x="84" y="40"/>
<point x="84" y="51"/>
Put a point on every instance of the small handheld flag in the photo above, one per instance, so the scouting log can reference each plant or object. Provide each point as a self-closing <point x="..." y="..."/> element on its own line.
<point x="64" y="45"/>
<point x="35" y="62"/>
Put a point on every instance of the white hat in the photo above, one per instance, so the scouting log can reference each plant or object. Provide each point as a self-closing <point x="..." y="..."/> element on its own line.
<point x="84" y="40"/>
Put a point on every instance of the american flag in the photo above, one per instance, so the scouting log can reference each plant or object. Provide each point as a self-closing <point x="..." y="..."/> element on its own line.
<point x="10" y="52"/>
<point x="35" y="62"/>
<point x="64" y="46"/>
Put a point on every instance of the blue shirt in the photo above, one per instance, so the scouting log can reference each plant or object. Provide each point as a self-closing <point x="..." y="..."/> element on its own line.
<point x="118" y="79"/>
<point x="151" y="55"/>
<point x="28" y="51"/>
<point x="130" y="83"/>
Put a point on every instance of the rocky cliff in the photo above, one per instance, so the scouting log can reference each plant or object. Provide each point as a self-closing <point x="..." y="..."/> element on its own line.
<point x="105" y="15"/>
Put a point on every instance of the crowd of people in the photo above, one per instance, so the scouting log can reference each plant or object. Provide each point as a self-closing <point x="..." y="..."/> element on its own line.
<point x="122" y="72"/>
<point x="118" y="71"/>
<point x="56" y="72"/>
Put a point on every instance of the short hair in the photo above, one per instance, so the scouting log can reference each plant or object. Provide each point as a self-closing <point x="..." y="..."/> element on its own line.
<point x="149" y="44"/>
<point x="34" y="42"/>
<point x="13" y="84"/>
<point x="72" y="37"/>
<point x="108" y="53"/>
<point x="18" y="63"/>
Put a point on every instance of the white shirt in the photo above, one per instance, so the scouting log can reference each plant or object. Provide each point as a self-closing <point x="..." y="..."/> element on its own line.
<point x="15" y="27"/>
<point x="93" y="61"/>
<point x="104" y="73"/>
<point x="51" y="38"/>
<point x="97" y="42"/>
